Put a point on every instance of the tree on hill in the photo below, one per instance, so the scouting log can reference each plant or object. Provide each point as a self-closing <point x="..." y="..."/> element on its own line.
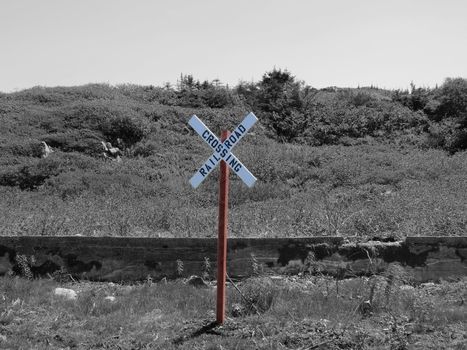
<point x="453" y="99"/>
<point x="453" y="103"/>
<point x="448" y="108"/>
<point x="279" y="98"/>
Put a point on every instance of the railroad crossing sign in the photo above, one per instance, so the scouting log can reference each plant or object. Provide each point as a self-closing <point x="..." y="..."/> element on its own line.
<point x="222" y="150"/>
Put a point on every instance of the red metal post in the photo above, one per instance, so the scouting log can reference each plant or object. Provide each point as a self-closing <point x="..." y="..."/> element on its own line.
<point x="222" y="236"/>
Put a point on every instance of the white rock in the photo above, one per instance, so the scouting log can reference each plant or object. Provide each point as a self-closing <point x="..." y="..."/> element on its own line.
<point x="110" y="298"/>
<point x="46" y="150"/>
<point x="428" y="284"/>
<point x="2" y="338"/>
<point x="406" y="287"/>
<point x="66" y="293"/>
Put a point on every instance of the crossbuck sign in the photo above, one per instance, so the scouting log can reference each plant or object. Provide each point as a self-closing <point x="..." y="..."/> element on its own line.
<point x="223" y="150"/>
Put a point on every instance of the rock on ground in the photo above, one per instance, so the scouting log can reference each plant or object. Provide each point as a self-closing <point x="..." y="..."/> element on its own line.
<point x="66" y="293"/>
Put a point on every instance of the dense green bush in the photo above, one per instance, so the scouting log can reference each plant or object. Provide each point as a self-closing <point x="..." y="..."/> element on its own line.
<point x="361" y="99"/>
<point x="74" y="183"/>
<point x="30" y="176"/>
<point x="331" y="123"/>
<point x="35" y="173"/>
<point x="23" y="148"/>
<point x="448" y="108"/>
<point x="453" y="99"/>
<point x="76" y="140"/>
<point x="193" y="93"/>
<point x="278" y="98"/>
<point x="129" y="129"/>
<point x="145" y="149"/>
<point x="417" y="99"/>
<point x="113" y="120"/>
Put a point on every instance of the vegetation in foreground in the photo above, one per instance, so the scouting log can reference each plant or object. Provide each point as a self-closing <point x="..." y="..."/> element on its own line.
<point x="274" y="313"/>
<point x="360" y="162"/>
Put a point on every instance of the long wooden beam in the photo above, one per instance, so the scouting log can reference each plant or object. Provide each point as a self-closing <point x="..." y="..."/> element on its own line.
<point x="133" y="259"/>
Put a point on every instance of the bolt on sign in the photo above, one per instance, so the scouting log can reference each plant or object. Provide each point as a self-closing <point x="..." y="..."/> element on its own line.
<point x="222" y="153"/>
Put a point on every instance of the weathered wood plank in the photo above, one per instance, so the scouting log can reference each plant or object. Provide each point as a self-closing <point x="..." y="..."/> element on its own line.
<point x="133" y="259"/>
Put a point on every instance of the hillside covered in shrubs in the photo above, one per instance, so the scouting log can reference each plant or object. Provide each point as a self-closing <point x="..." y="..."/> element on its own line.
<point x="336" y="161"/>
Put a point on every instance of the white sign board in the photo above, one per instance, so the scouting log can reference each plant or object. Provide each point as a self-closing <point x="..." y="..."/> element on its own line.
<point x="223" y="150"/>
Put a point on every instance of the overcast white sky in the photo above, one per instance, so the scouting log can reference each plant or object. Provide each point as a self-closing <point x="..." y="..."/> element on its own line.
<point x="325" y="43"/>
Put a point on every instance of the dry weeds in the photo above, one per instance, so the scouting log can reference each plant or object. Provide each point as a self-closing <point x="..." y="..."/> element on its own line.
<point x="294" y="313"/>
